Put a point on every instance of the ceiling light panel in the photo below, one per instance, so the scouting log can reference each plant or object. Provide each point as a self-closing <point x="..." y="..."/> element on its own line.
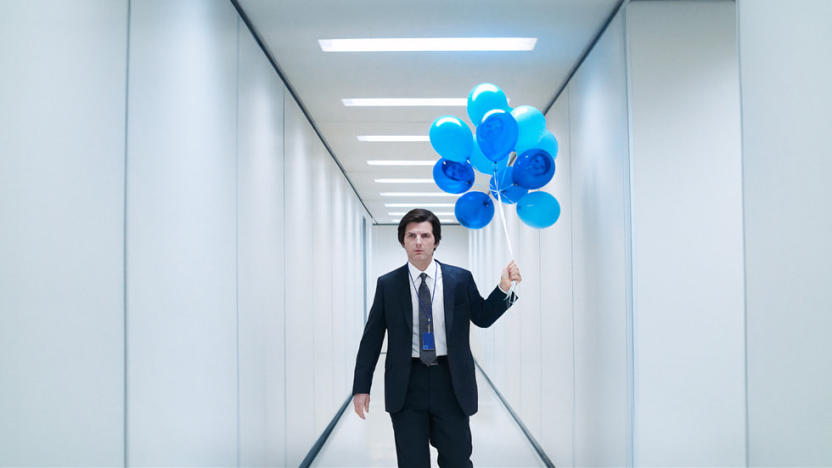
<point x="418" y="194"/>
<point x="384" y="162"/>
<point x="404" y="181"/>
<point x="429" y="44"/>
<point x="418" y="205"/>
<point x="405" y="102"/>
<point x="392" y="138"/>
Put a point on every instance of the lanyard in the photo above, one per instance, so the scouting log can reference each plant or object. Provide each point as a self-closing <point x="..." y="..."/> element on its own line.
<point x="428" y="315"/>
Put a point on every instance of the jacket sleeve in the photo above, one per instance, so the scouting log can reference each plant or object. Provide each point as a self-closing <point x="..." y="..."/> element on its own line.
<point x="484" y="312"/>
<point x="370" y="347"/>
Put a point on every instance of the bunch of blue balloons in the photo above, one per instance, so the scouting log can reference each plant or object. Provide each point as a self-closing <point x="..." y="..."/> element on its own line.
<point x="500" y="131"/>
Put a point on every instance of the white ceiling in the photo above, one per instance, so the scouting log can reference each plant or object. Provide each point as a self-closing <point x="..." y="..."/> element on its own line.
<point x="291" y="29"/>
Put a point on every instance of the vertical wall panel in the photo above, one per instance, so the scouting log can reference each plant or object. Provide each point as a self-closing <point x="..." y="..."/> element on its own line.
<point x="555" y="274"/>
<point x="181" y="260"/>
<point x="301" y="298"/>
<point x="687" y="228"/>
<point x="785" y="50"/>
<point x="61" y="232"/>
<point x="261" y="257"/>
<point x="600" y="193"/>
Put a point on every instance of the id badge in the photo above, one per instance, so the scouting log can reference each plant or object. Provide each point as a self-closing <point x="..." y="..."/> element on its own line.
<point x="427" y="341"/>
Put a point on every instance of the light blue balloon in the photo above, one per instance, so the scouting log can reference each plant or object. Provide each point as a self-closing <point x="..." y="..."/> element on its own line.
<point x="538" y="209"/>
<point x="483" y="98"/>
<point x="483" y="164"/>
<point x="547" y="143"/>
<point x="451" y="138"/>
<point x="453" y="177"/>
<point x="531" y="125"/>
<point x="509" y="191"/>
<point x="497" y="134"/>
<point x="474" y="210"/>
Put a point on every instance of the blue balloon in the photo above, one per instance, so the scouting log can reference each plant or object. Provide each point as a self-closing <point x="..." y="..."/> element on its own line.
<point x="509" y="191"/>
<point x="538" y="209"/>
<point x="547" y="143"/>
<point x="474" y="210"/>
<point x="451" y="138"/>
<point x="531" y="125"/>
<point x="483" y="98"/>
<point x="533" y="169"/>
<point x="453" y="177"/>
<point x="483" y="164"/>
<point x="497" y="134"/>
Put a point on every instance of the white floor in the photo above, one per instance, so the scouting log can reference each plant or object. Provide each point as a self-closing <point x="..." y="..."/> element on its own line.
<point x="497" y="440"/>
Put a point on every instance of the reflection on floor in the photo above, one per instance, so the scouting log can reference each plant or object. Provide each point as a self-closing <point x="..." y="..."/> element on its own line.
<point x="498" y="441"/>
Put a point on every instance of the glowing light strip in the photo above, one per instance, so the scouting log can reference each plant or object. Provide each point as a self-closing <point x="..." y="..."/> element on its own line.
<point x="418" y="205"/>
<point x="392" y="138"/>
<point x="404" y="102"/>
<point x="428" y="44"/>
<point x="404" y="181"/>
<point x="418" y="194"/>
<point x="382" y="162"/>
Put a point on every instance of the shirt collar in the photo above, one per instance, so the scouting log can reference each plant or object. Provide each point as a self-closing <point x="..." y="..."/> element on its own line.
<point x="415" y="272"/>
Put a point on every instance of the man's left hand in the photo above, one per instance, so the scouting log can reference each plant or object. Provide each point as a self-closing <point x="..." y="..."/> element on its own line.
<point x="510" y="273"/>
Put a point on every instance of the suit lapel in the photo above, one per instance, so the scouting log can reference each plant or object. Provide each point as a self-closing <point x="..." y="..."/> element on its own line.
<point x="405" y="295"/>
<point x="448" y="299"/>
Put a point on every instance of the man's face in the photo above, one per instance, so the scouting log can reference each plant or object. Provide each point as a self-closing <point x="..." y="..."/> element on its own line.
<point x="419" y="242"/>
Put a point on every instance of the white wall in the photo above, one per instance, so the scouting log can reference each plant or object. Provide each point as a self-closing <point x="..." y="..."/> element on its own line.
<point x="637" y="296"/>
<point x="687" y="234"/>
<point x="261" y="251"/>
<point x="181" y="236"/>
<point x="785" y="49"/>
<point x="225" y="271"/>
<point x="62" y="232"/>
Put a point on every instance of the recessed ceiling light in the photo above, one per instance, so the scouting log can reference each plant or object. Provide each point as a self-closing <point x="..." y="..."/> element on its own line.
<point x="404" y="181"/>
<point x="404" y="102"/>
<point x="437" y="213"/>
<point x="418" y="194"/>
<point x="426" y="44"/>
<point x="418" y="205"/>
<point x="392" y="138"/>
<point x="383" y="162"/>
<point x="446" y="220"/>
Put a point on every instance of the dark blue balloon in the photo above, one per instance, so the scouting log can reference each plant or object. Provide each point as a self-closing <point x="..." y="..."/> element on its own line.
<point x="497" y="134"/>
<point x="533" y="169"/>
<point x="474" y="210"/>
<point x="509" y="191"/>
<point x="538" y="209"/>
<point x="453" y="177"/>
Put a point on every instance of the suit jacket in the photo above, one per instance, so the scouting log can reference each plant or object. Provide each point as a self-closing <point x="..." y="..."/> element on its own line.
<point x="392" y="311"/>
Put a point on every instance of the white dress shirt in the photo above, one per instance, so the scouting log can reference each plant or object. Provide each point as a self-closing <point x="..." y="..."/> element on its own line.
<point x="439" y="338"/>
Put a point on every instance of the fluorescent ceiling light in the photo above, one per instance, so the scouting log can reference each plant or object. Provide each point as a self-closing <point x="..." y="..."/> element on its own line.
<point x="418" y="205"/>
<point x="447" y="220"/>
<point x="404" y="181"/>
<point x="418" y="194"/>
<point x="392" y="138"/>
<point x="376" y="162"/>
<point x="404" y="102"/>
<point x="437" y="213"/>
<point x="425" y="44"/>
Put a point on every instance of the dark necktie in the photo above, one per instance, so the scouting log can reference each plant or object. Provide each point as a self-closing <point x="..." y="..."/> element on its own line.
<point x="428" y="357"/>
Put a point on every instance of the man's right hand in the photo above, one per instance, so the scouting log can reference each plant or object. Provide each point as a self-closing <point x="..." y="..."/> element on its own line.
<point x="361" y="402"/>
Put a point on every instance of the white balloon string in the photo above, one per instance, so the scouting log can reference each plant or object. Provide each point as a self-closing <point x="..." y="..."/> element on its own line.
<point x="505" y="226"/>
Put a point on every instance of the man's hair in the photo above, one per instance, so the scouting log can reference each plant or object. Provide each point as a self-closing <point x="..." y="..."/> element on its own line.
<point x="419" y="216"/>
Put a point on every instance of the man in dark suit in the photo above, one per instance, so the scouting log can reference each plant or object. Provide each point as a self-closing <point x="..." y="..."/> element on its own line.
<point x="426" y="308"/>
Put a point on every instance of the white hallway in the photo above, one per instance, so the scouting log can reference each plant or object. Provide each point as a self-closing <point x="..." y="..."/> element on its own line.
<point x="186" y="259"/>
